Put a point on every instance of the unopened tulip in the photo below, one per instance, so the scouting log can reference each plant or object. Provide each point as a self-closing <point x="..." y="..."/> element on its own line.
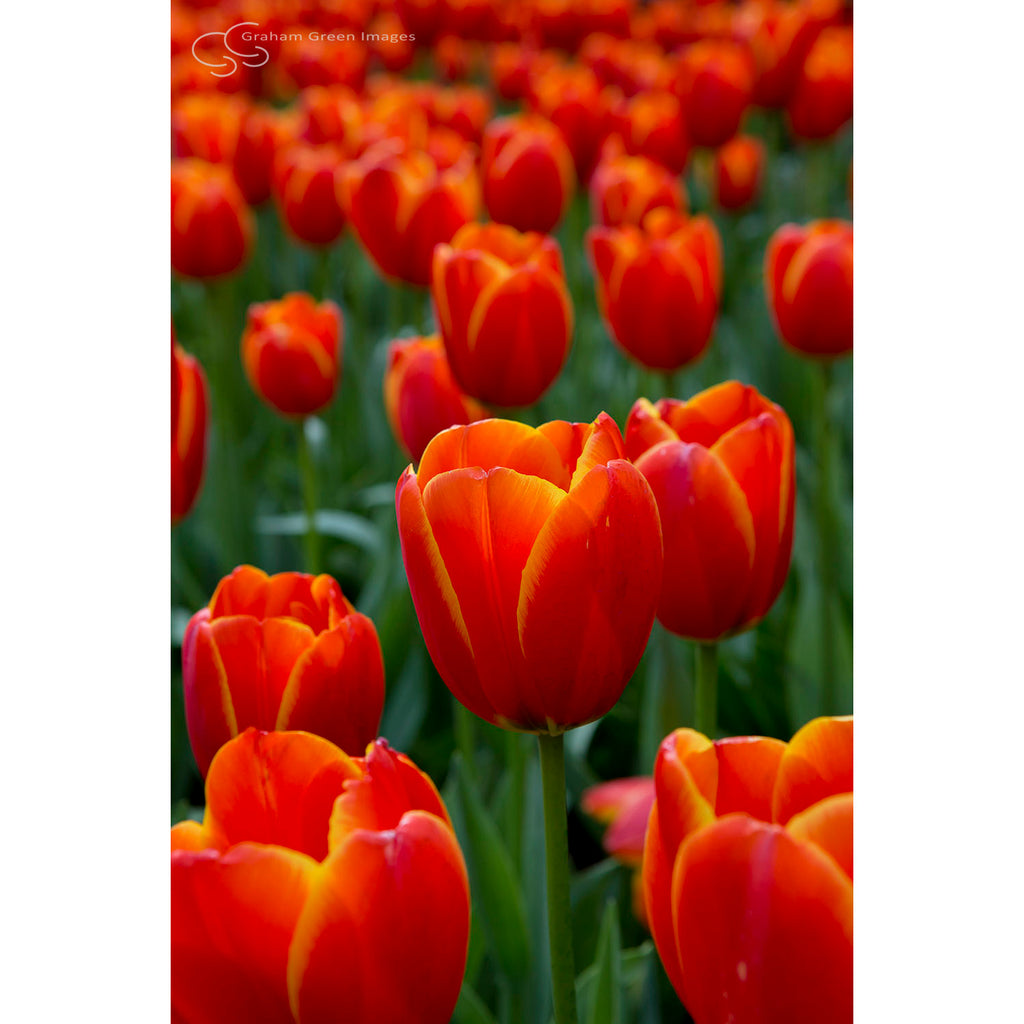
<point x="212" y="228"/>
<point x="722" y="467"/>
<point x="280" y="652"/>
<point x="625" y="188"/>
<point x="305" y="189"/>
<point x="318" y="888"/>
<point x="504" y="311"/>
<point x="402" y="203"/>
<point x="739" y="165"/>
<point x="715" y="83"/>
<point x="652" y="124"/>
<point x="421" y="397"/>
<point x="658" y="287"/>
<point x="291" y="351"/>
<point x="528" y="172"/>
<point x="809" y="284"/>
<point x="748" y="874"/>
<point x="188" y="430"/>
<point x="822" y="101"/>
<point x="534" y="561"/>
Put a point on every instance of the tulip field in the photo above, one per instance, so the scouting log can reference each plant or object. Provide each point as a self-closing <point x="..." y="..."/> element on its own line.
<point x="511" y="558"/>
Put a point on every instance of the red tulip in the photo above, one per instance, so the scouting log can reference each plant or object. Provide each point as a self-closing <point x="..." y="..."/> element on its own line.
<point x="652" y="124"/>
<point x="291" y="351"/>
<point x="305" y="189"/>
<point x="808" y="273"/>
<point x="504" y="311"/>
<point x="189" y="399"/>
<point x="212" y="229"/>
<point x="631" y="65"/>
<point x="307" y="61"/>
<point x="739" y="165"/>
<point x="318" y="888"/>
<point x="625" y="188"/>
<point x="280" y="652"/>
<point x="822" y="101"/>
<point x="715" y="83"/>
<point x="658" y="288"/>
<point x="722" y="467"/>
<point x="528" y="172"/>
<point x="534" y="562"/>
<point x="421" y="397"/>
<point x="330" y="113"/>
<point x="748" y="874"/>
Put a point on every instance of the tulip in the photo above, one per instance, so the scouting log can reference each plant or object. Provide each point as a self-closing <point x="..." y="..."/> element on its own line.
<point x="632" y="66"/>
<point x="280" y="652"/>
<point x="504" y="311"/>
<point x="808" y="276"/>
<point x="212" y="229"/>
<point x="206" y="126"/>
<point x="528" y="172"/>
<point x="652" y="125"/>
<point x="534" y="561"/>
<point x="658" y="288"/>
<point x="512" y="65"/>
<point x="330" y="113"/>
<point x="748" y="874"/>
<point x="715" y="83"/>
<point x="307" y="61"/>
<point x="625" y="188"/>
<point x="421" y="397"/>
<point x="319" y="887"/>
<point x="291" y="350"/>
<point x="189" y="400"/>
<point x="263" y="131"/>
<point x="402" y="203"/>
<point x="739" y="165"/>
<point x="822" y="101"/>
<point x="306" y="192"/>
<point x="721" y="467"/>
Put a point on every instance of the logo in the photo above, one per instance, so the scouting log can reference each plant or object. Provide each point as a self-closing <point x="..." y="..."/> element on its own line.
<point x="250" y="60"/>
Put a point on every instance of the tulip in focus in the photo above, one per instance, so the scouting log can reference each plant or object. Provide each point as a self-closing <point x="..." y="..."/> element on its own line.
<point x="189" y="400"/>
<point x="722" y="468"/>
<point x="534" y="561"/>
<point x="504" y="311"/>
<point x="291" y="351"/>
<point x="739" y="166"/>
<point x="305" y="189"/>
<point x="528" y="173"/>
<point x="625" y="188"/>
<point x="402" y="203"/>
<point x="748" y="874"/>
<point x="715" y="82"/>
<point x="808" y="277"/>
<point x="318" y="888"/>
<point x="658" y="288"/>
<point x="280" y="652"/>
<point x="421" y="397"/>
<point x="212" y="228"/>
<point x="822" y="101"/>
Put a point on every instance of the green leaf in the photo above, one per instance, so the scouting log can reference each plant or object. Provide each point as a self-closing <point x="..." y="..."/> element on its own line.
<point x="346" y="526"/>
<point x="470" y="1009"/>
<point x="606" y="1000"/>
<point x="407" y="703"/>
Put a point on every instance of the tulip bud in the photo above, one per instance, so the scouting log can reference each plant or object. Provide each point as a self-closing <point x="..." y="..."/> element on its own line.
<point x="722" y="468"/>
<point x="658" y="288"/>
<point x="188" y="430"/>
<point x="528" y="173"/>
<point x="822" y="101"/>
<point x="739" y="165"/>
<point x="625" y="188"/>
<point x="534" y="561"/>
<point x="808" y="274"/>
<point x="421" y="397"/>
<point x="715" y="83"/>
<point x="212" y="229"/>
<point x="305" y="189"/>
<point x="291" y="351"/>
<point x="504" y="311"/>
<point x="280" y="652"/>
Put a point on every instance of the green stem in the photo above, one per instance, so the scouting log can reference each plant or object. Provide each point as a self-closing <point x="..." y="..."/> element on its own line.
<point x="309" y="500"/>
<point x="556" y="848"/>
<point x="322" y="273"/>
<point x="670" y="382"/>
<point x="514" y="762"/>
<point x="827" y="546"/>
<point x="706" y="709"/>
<point x="464" y="733"/>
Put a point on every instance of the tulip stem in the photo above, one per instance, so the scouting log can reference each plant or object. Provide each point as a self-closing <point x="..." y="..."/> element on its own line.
<point x="308" y="470"/>
<point x="322" y="273"/>
<point x="827" y="544"/>
<point x="706" y="704"/>
<point x="556" y="848"/>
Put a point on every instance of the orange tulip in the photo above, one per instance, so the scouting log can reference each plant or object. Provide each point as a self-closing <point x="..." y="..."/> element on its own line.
<point x="715" y="83"/>
<point x="330" y="113"/>
<point x="652" y="125"/>
<point x="212" y="229"/>
<point x="632" y="66"/>
<point x="512" y="65"/>
<point x="528" y="172"/>
<point x="189" y="399"/>
<point x="307" y="61"/>
<point x="534" y="562"/>
<point x="625" y="188"/>
<point x="822" y="101"/>
<point x="421" y="397"/>
<point x="504" y="311"/>
<point x="319" y="887"/>
<point x="658" y="288"/>
<point x="305" y="189"/>
<point x="389" y="41"/>
<point x="739" y="165"/>
<point x="402" y="203"/>
<point x="280" y="652"/>
<point x="566" y="23"/>
<point x="291" y="351"/>
<point x="808" y="273"/>
<point x="748" y="874"/>
<point x="722" y="467"/>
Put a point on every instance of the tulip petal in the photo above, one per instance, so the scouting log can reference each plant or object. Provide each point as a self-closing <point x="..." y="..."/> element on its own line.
<point x="818" y="762"/>
<point x="829" y="824"/>
<point x="686" y="783"/>
<point x="645" y="428"/>
<point x="607" y="800"/>
<point x="747" y="769"/>
<point x="209" y="711"/>
<point x="242" y="592"/>
<point x="656" y="873"/>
